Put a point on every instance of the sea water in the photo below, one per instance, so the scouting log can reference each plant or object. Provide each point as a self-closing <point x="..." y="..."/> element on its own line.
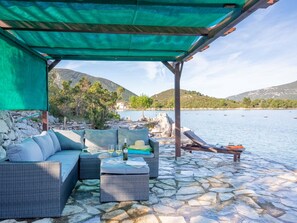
<point x="272" y="134"/>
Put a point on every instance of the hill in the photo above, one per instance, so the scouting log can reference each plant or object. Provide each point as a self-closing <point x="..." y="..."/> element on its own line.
<point x="285" y="91"/>
<point x="191" y="99"/>
<point x="74" y="76"/>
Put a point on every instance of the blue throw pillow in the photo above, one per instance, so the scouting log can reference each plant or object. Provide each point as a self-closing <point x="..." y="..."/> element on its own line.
<point x="133" y="135"/>
<point x="28" y="150"/>
<point x="70" y="140"/>
<point x="56" y="142"/>
<point x="97" y="139"/>
<point x="45" y="143"/>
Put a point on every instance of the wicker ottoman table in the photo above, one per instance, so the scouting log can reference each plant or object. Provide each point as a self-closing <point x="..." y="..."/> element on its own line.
<point x="122" y="182"/>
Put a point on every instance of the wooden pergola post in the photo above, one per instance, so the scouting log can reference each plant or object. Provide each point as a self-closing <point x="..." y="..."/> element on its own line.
<point x="45" y="113"/>
<point x="176" y="69"/>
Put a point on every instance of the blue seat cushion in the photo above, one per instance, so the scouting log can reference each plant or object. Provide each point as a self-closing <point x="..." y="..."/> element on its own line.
<point x="98" y="139"/>
<point x="68" y="160"/>
<point x="28" y="150"/>
<point x="133" y="135"/>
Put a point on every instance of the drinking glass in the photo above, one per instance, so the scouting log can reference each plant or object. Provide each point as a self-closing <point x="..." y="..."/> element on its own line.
<point x="110" y="149"/>
<point x="118" y="150"/>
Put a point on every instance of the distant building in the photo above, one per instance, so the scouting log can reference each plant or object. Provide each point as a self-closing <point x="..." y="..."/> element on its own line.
<point x="121" y="106"/>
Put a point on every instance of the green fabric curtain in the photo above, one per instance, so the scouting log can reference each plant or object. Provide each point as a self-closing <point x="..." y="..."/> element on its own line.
<point x="23" y="76"/>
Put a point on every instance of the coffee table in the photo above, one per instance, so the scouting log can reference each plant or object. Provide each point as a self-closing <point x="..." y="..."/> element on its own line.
<point x="120" y="181"/>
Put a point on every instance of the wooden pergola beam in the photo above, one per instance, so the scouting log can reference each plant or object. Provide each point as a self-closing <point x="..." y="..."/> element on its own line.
<point x="176" y="69"/>
<point x="101" y="28"/>
<point x="53" y="64"/>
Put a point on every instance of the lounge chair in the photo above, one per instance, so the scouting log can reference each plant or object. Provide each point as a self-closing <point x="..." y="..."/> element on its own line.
<point x="200" y="145"/>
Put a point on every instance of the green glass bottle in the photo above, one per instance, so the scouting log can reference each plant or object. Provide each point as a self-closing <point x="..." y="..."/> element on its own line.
<point x="125" y="150"/>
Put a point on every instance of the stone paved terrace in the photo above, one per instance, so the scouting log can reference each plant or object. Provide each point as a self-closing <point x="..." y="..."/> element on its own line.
<point x="198" y="188"/>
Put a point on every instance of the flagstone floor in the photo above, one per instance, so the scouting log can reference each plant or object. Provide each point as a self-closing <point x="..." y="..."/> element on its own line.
<point x="197" y="188"/>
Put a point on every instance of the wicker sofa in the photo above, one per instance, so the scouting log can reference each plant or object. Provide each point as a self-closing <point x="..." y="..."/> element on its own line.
<point x="37" y="181"/>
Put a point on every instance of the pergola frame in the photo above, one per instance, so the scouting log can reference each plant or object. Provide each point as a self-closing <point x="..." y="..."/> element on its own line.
<point x="176" y="67"/>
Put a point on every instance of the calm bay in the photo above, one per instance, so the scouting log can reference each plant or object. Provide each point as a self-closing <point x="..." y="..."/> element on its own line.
<point x="272" y="134"/>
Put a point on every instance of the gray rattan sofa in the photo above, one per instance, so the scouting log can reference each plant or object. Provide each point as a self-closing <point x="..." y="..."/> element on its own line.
<point x="37" y="181"/>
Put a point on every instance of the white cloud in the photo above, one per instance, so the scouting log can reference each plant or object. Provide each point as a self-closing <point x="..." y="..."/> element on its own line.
<point x="260" y="53"/>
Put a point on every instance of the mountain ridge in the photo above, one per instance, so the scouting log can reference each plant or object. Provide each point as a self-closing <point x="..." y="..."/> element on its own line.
<point x="74" y="76"/>
<point x="284" y="91"/>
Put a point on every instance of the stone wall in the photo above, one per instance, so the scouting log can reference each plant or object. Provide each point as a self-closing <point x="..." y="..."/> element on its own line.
<point x="17" y="126"/>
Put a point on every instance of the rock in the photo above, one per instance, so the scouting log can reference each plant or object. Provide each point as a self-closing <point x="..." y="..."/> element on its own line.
<point x="87" y="188"/>
<point x="71" y="209"/>
<point x="3" y="127"/>
<point x="289" y="203"/>
<point x="247" y="212"/>
<point x="21" y="125"/>
<point x="288" y="217"/>
<point x="138" y="210"/>
<point x="78" y="217"/>
<point x="52" y="119"/>
<point x="5" y="136"/>
<point x="12" y="221"/>
<point x="185" y="197"/>
<point x="271" y="219"/>
<point x="198" y="203"/>
<point x="289" y="177"/>
<point x="93" y="182"/>
<point x="170" y="182"/>
<point x="117" y="215"/>
<point x="172" y="203"/>
<point x="125" y="221"/>
<point x="44" y="220"/>
<point x="164" y="126"/>
<point x="147" y="219"/>
<point x="201" y="219"/>
<point x="245" y="191"/>
<point x="1" y="139"/>
<point x="162" y="209"/>
<point x="6" y="143"/>
<point x="167" y="193"/>
<point x="92" y="210"/>
<point x="190" y="190"/>
<point x="12" y="135"/>
<point x="165" y="186"/>
<point x="153" y="199"/>
<point x="95" y="219"/>
<point x="221" y="190"/>
<point x="2" y="153"/>
<point x="171" y="219"/>
<point x="210" y="196"/>
<point x="107" y="207"/>
<point x="225" y="196"/>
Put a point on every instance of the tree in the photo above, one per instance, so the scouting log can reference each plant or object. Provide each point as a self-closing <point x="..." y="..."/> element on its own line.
<point x="141" y="102"/>
<point x="246" y="102"/>
<point x="85" y="100"/>
<point x="120" y="91"/>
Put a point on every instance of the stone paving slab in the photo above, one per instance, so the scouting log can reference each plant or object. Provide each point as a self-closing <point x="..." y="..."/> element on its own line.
<point x="197" y="188"/>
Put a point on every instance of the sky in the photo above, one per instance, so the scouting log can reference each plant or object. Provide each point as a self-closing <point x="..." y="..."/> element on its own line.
<point x="261" y="53"/>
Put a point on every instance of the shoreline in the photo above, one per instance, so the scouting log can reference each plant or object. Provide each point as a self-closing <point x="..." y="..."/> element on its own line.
<point x="208" y="109"/>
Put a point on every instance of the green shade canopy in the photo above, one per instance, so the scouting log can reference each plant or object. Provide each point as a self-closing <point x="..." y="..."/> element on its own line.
<point x="132" y="30"/>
